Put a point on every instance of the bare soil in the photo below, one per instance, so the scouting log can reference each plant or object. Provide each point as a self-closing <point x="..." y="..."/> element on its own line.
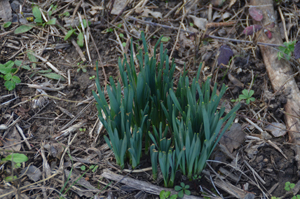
<point x="62" y="127"/>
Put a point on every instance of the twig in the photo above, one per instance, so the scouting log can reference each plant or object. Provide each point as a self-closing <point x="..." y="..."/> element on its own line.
<point x="23" y="136"/>
<point x="220" y="24"/>
<point x="99" y="56"/>
<point x="140" y="185"/>
<point x="50" y="65"/>
<point x="157" y="24"/>
<point x="244" y="41"/>
<point x="283" y="23"/>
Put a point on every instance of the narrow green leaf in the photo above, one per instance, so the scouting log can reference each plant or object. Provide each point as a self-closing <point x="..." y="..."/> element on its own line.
<point x="7" y="24"/>
<point x="54" y="76"/>
<point x="37" y="14"/>
<point x="69" y="34"/>
<point x="51" y="21"/>
<point x="80" y="40"/>
<point x="16" y="157"/>
<point x="23" y="29"/>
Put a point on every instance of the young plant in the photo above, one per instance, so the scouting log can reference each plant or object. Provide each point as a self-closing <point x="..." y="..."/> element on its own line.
<point x="16" y="159"/>
<point x="286" y="50"/>
<point x="201" y="125"/>
<point x="81" y="67"/>
<point x="169" y="163"/>
<point x="153" y="156"/>
<point x="167" y="195"/>
<point x="138" y="105"/>
<point x="7" y="72"/>
<point x="38" y="20"/>
<point x="80" y="37"/>
<point x="247" y="95"/>
<point x="183" y="189"/>
<point x="160" y="138"/>
<point x="289" y="186"/>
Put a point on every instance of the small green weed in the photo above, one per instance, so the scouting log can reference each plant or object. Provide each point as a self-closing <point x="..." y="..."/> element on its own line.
<point x="167" y="195"/>
<point x="247" y="95"/>
<point x="38" y="20"/>
<point x="196" y="177"/>
<point x="286" y="50"/>
<point x="288" y="187"/>
<point x="7" y="24"/>
<point x="112" y="29"/>
<point x="7" y="72"/>
<point x="82" y="129"/>
<point x="80" y="37"/>
<point x="93" y="168"/>
<point x="81" y="67"/>
<point x="183" y="189"/>
<point x="16" y="159"/>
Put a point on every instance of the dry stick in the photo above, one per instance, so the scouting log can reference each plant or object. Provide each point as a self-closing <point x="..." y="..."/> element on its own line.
<point x="157" y="24"/>
<point x="50" y="65"/>
<point x="211" y="36"/>
<point x="279" y="71"/>
<point x="23" y="136"/>
<point x="244" y="41"/>
<point x="75" y="10"/>
<point x="78" y="49"/>
<point x="143" y="2"/>
<point x="85" y="34"/>
<point x="283" y="23"/>
<point x="220" y="24"/>
<point x="179" y="28"/>
<point x="99" y="56"/>
<point x="172" y="10"/>
<point x="29" y="185"/>
<point x="140" y="185"/>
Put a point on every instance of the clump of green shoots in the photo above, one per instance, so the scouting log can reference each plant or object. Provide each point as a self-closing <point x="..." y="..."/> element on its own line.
<point x="180" y="127"/>
<point x="286" y="50"/>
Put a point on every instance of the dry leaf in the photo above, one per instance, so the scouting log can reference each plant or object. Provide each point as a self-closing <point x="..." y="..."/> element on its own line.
<point x="5" y="10"/>
<point x="256" y="14"/>
<point x="297" y="50"/>
<point x="234" y="137"/>
<point x="219" y="15"/>
<point x="252" y="29"/>
<point x="156" y="15"/>
<point x="199" y="22"/>
<point x="224" y="55"/>
<point x="231" y="3"/>
<point x="32" y="172"/>
<point x="276" y="129"/>
<point x="119" y="5"/>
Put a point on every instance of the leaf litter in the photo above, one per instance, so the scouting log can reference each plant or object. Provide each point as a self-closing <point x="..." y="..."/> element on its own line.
<point x="35" y="109"/>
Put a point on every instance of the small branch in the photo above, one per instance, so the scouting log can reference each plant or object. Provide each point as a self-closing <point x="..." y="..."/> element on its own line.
<point x="244" y="41"/>
<point x="140" y="185"/>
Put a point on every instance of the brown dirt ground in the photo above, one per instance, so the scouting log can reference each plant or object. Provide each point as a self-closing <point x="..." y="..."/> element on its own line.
<point x="43" y="124"/>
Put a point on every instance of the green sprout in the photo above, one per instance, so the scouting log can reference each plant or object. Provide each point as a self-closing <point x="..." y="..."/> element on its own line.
<point x="7" y="72"/>
<point x="183" y="189"/>
<point x="16" y="159"/>
<point x="82" y="129"/>
<point x="289" y="186"/>
<point x="80" y="36"/>
<point x="286" y="50"/>
<point x="167" y="195"/>
<point x="247" y="95"/>
<point x="81" y="67"/>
